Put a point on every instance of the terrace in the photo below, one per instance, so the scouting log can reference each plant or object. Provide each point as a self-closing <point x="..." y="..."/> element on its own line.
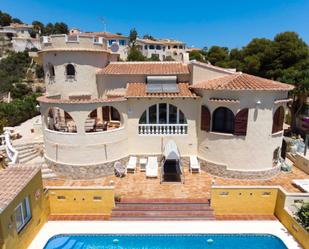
<point x="197" y="186"/>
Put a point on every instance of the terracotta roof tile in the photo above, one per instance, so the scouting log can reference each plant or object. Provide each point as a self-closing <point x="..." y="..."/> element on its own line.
<point x="12" y="180"/>
<point x="138" y="90"/>
<point x="224" y="100"/>
<point x="106" y="35"/>
<point x="148" y="68"/>
<point x="241" y="81"/>
<point x="49" y="100"/>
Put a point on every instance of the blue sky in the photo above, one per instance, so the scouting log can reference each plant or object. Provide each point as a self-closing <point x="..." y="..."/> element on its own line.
<point x="198" y="23"/>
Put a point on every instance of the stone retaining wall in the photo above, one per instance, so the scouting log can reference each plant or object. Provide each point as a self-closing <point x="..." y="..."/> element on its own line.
<point x="222" y="171"/>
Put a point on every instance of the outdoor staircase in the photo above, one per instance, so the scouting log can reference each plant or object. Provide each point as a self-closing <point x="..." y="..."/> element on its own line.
<point x="27" y="151"/>
<point x="47" y="173"/>
<point x="163" y="209"/>
<point x="27" y="154"/>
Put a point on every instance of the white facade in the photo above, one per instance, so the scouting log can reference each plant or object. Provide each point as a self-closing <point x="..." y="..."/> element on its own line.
<point x="85" y="101"/>
<point x="163" y="49"/>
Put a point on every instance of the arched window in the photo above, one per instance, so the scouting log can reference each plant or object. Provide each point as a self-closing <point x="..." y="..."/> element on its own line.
<point x="70" y="71"/>
<point x="278" y="120"/>
<point x="103" y="118"/>
<point x="56" y="119"/>
<point x="163" y="118"/>
<point x="223" y="120"/>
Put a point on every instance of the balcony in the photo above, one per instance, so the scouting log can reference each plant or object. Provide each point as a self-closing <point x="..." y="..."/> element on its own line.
<point x="163" y="129"/>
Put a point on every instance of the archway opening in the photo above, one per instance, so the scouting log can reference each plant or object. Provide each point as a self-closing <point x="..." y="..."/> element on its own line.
<point x="102" y="119"/>
<point x="56" y="119"/>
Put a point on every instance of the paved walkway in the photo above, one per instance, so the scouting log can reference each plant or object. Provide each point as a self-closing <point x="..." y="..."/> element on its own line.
<point x="196" y="185"/>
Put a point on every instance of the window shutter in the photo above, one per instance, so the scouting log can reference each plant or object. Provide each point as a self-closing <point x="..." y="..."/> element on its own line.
<point x="241" y="122"/>
<point x="205" y="119"/>
<point x="278" y="120"/>
<point x="105" y="113"/>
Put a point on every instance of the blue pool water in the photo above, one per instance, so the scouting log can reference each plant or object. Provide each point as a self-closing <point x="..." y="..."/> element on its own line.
<point x="165" y="241"/>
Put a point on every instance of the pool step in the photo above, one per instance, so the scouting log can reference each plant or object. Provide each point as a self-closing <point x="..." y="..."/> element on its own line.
<point x="162" y="209"/>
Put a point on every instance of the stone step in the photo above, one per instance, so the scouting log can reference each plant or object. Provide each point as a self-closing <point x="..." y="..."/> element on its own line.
<point x="162" y="207"/>
<point x="164" y="201"/>
<point x="46" y="170"/>
<point x="27" y="155"/>
<point x="26" y="145"/>
<point x="160" y="218"/>
<point x="49" y="176"/>
<point x="28" y="158"/>
<point x="164" y="213"/>
<point x="26" y="151"/>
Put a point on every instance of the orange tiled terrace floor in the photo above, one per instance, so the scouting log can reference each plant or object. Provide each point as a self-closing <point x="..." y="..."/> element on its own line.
<point x="196" y="185"/>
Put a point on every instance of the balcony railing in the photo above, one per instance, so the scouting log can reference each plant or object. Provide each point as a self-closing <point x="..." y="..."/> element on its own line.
<point x="163" y="129"/>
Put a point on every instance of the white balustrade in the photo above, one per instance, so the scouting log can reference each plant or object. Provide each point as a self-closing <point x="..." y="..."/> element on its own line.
<point x="163" y="129"/>
<point x="11" y="152"/>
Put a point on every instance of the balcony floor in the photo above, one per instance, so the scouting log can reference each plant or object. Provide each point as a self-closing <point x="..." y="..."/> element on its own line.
<point x="196" y="185"/>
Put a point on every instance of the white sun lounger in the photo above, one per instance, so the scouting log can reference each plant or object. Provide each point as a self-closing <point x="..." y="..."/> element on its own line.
<point x="152" y="167"/>
<point x="194" y="164"/>
<point x="303" y="184"/>
<point x="131" y="166"/>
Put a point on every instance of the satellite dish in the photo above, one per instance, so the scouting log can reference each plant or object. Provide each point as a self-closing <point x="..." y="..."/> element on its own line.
<point x="115" y="47"/>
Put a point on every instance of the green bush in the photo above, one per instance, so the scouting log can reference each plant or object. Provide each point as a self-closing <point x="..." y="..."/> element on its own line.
<point x="302" y="215"/>
<point x="18" y="111"/>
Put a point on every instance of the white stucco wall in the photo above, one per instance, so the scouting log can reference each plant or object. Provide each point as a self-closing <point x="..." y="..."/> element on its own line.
<point x="86" y="65"/>
<point x="253" y="151"/>
<point x="83" y="148"/>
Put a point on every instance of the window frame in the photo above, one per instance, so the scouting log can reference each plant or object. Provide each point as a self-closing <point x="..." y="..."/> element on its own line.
<point x="24" y="205"/>
<point x="225" y="117"/>
<point x="70" y="76"/>
<point x="180" y="116"/>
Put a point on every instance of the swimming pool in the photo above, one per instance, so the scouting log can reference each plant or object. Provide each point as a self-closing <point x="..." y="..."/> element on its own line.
<point x="165" y="241"/>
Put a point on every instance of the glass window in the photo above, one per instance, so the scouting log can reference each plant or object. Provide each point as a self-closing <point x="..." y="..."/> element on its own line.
<point x="110" y="42"/>
<point x="175" y="116"/>
<point x="151" y="47"/>
<point x="175" y="46"/>
<point x="22" y="214"/>
<point x="162" y="113"/>
<point x="122" y="42"/>
<point x="180" y="46"/>
<point x="143" y="119"/>
<point x="172" y="114"/>
<point x="182" y="119"/>
<point x="146" y="47"/>
<point x="158" y="47"/>
<point x="223" y="120"/>
<point x="70" y="70"/>
<point x="153" y="114"/>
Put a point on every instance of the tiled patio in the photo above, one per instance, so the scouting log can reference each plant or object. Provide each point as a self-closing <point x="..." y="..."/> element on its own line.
<point x="196" y="185"/>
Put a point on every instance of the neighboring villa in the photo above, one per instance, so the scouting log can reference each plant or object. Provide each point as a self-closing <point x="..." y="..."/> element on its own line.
<point x="115" y="42"/>
<point x="17" y="37"/>
<point x="97" y="111"/>
<point x="163" y="49"/>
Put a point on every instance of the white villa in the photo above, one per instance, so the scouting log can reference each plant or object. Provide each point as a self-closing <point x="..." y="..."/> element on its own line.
<point x="97" y="111"/>
<point x="18" y="36"/>
<point x="163" y="49"/>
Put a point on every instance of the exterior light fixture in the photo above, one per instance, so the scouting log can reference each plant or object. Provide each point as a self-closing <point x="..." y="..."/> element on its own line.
<point x="37" y="107"/>
<point x="258" y="102"/>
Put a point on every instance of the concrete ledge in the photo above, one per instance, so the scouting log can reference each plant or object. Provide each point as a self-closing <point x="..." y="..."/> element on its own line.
<point x="223" y="171"/>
